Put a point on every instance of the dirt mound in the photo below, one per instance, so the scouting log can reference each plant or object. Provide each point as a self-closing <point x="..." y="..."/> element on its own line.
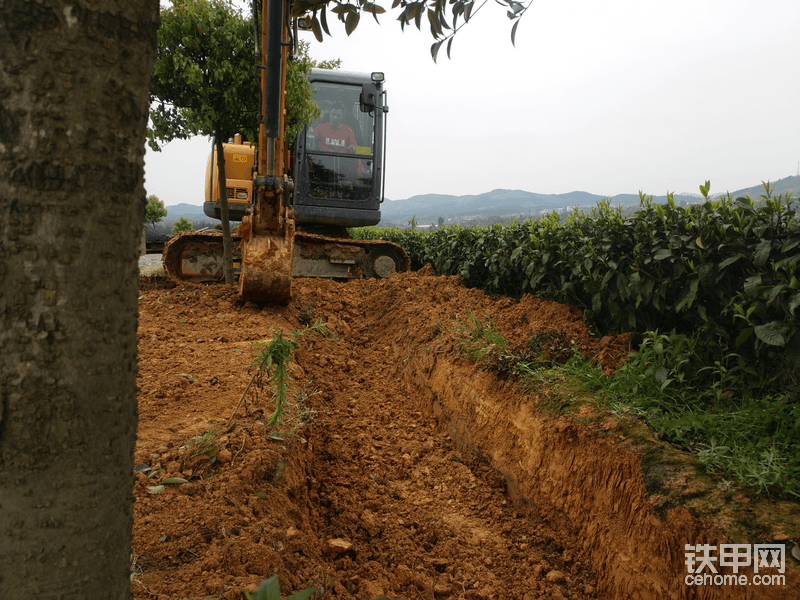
<point x="402" y="470"/>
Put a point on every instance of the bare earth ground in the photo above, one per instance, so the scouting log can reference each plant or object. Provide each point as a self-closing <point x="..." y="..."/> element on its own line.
<point x="404" y="470"/>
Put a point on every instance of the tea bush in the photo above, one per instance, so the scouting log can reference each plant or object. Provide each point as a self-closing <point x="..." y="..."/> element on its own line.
<point x="725" y="270"/>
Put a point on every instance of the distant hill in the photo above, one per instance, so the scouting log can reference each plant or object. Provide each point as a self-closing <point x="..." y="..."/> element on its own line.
<point x="782" y="187"/>
<point x="190" y="211"/>
<point x="497" y="203"/>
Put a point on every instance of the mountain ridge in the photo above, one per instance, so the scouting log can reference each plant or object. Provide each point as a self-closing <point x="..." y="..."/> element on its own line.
<point x="500" y="202"/>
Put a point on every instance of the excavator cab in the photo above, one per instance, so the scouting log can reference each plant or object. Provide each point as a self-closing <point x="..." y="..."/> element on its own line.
<point x="339" y="170"/>
<point x="339" y="166"/>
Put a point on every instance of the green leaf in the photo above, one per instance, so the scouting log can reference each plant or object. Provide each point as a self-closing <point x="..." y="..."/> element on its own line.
<point x="662" y="254"/>
<point x="706" y="274"/>
<point x="155" y="489"/>
<point x="323" y="19"/>
<point x="729" y="261"/>
<point x="177" y="480"/>
<point x="316" y="28"/>
<point x="751" y="285"/>
<point x="268" y="589"/>
<point x="261" y="495"/>
<point x="373" y="8"/>
<point x="514" y="33"/>
<point x="351" y="22"/>
<point x="761" y="254"/>
<point x="743" y="336"/>
<point x="435" y="50"/>
<point x="688" y="296"/>
<point x="772" y="334"/>
<point x="306" y="593"/>
<point x="794" y="302"/>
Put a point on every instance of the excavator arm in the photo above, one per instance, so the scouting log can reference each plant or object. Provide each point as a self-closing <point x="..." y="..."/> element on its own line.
<point x="267" y="233"/>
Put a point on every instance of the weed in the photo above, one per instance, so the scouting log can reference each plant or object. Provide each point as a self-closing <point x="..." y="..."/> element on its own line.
<point x="304" y="415"/>
<point x="272" y="367"/>
<point x="206" y="443"/>
<point x="438" y="327"/>
<point x="712" y="455"/>
<point x="552" y="347"/>
<point x="706" y="407"/>
<point x="479" y="339"/>
<point x="307" y="313"/>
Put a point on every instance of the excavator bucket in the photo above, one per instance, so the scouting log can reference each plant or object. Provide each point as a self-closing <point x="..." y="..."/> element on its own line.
<point x="267" y="265"/>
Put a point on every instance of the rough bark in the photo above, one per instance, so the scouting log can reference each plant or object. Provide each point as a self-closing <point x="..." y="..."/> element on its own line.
<point x="227" y="242"/>
<point x="74" y="81"/>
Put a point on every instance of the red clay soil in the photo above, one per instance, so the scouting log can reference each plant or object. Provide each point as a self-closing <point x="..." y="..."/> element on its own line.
<point x="403" y="470"/>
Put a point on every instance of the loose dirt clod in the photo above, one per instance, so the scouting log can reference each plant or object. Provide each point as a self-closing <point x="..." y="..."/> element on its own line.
<point x="401" y="471"/>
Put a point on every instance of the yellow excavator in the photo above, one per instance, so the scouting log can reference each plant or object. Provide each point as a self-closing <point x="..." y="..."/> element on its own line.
<point x="296" y="226"/>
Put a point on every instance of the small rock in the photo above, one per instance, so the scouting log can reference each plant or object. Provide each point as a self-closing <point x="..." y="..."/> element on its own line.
<point x="780" y="537"/>
<point x="442" y="589"/>
<point x="338" y="545"/>
<point x="371" y="589"/>
<point x="555" y="576"/>
<point x="224" y="456"/>
<point x="370" y="522"/>
<point x="403" y="575"/>
<point x="292" y="532"/>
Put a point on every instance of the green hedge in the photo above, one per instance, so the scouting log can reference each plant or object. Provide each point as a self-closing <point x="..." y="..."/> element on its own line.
<point x="726" y="270"/>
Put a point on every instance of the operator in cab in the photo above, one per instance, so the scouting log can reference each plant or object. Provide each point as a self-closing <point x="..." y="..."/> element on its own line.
<point x="333" y="136"/>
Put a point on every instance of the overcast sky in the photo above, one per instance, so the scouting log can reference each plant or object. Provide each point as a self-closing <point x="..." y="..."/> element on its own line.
<point x="607" y="97"/>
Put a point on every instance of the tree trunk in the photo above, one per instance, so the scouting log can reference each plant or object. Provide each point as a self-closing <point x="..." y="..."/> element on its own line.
<point x="224" y="216"/>
<point x="74" y="82"/>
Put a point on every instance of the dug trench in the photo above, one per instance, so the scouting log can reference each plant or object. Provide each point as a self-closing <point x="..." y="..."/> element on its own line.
<point x="403" y="469"/>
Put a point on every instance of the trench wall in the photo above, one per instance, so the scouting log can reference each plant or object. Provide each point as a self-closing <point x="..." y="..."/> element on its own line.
<point x="589" y="484"/>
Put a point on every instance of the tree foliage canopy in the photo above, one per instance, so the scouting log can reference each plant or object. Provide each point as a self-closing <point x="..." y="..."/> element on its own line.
<point x="155" y="210"/>
<point x="444" y="17"/>
<point x="204" y="79"/>
<point x="182" y="224"/>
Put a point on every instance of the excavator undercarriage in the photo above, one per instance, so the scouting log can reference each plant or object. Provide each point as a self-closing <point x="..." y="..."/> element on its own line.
<point x="196" y="257"/>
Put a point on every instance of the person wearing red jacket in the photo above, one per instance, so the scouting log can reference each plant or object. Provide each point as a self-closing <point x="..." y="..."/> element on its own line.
<point x="333" y="136"/>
